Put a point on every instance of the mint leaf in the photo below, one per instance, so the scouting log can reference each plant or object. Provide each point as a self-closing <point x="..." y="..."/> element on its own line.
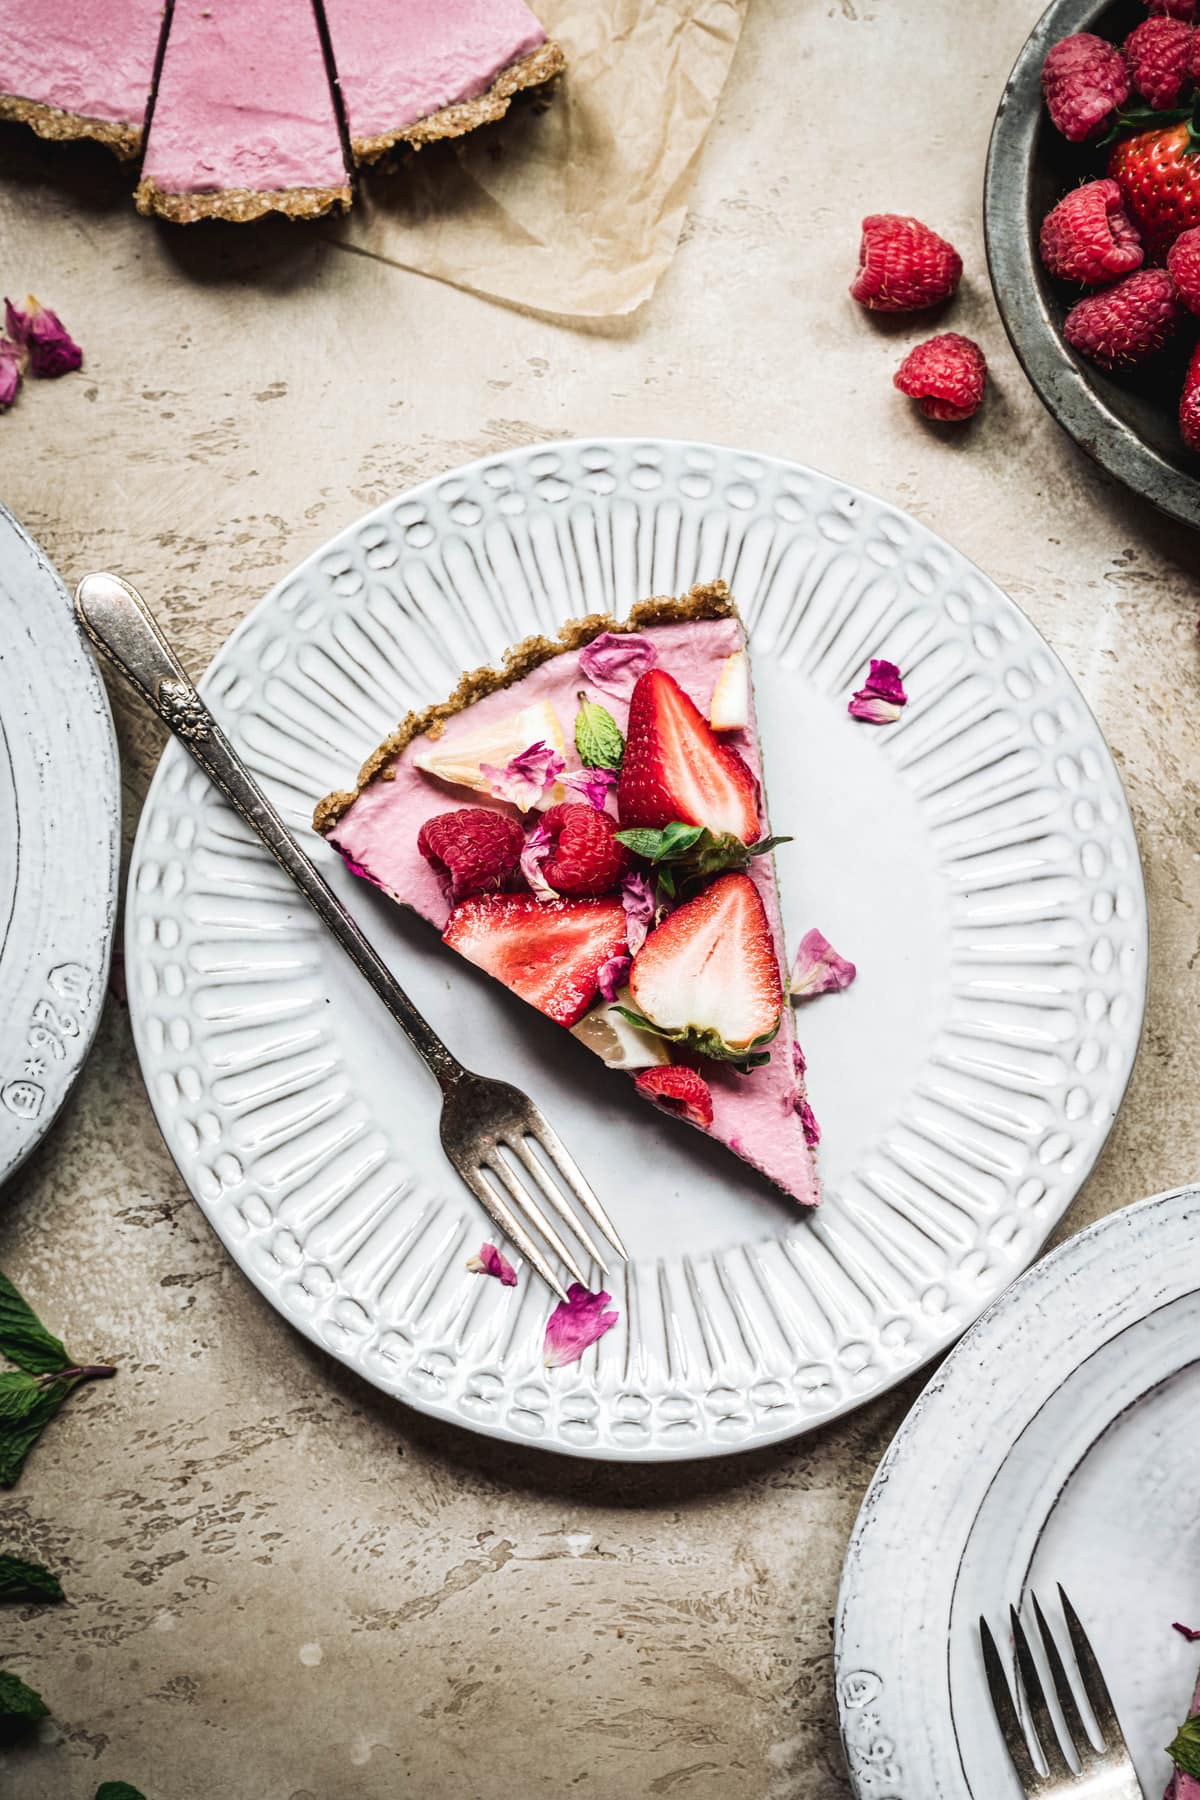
<point x="118" y="1790"/>
<point x="17" y="1437"/>
<point x="1184" y="1748"/>
<point x="598" y="737"/>
<point x="20" y="1580"/>
<point x="643" y="840"/>
<point x="19" y="1395"/>
<point x="18" y="1703"/>
<point x="677" y="840"/>
<point x="24" y="1339"/>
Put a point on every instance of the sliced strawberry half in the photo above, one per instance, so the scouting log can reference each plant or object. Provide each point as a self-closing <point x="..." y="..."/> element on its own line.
<point x="675" y="767"/>
<point x="550" y="952"/>
<point x="709" y="976"/>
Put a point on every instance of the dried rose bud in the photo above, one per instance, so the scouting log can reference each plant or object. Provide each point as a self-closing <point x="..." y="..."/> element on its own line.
<point x="490" y="1261"/>
<point x="41" y="333"/>
<point x="881" y="696"/>
<point x="11" y="366"/>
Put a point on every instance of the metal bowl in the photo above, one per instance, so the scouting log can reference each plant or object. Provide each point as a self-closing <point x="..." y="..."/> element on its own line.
<point x="1126" y="421"/>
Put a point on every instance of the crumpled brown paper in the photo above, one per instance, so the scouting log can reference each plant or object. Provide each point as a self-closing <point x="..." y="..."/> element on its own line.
<point x="575" y="209"/>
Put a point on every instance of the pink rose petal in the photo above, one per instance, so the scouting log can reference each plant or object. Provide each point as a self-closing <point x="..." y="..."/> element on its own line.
<point x="594" y="784"/>
<point x="812" y="1131"/>
<point x="613" y="975"/>
<point x="879" y="700"/>
<point x="799" y="1061"/>
<point x="527" y="777"/>
<point x="575" y="1323"/>
<point x="1187" y="1632"/>
<point x="535" y="853"/>
<point x="637" y="897"/>
<point x="818" y="969"/>
<point x="490" y="1261"/>
<point x="52" y="350"/>
<point x="615" y="659"/>
<point x="10" y="372"/>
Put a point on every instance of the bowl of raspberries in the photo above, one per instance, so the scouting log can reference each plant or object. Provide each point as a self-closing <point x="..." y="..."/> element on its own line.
<point x="1092" y="222"/>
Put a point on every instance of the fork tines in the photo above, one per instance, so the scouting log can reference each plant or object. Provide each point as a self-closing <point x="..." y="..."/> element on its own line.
<point x="1044" y="1754"/>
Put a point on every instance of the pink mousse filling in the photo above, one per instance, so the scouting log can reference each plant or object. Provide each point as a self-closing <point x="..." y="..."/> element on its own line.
<point x="754" y="1114"/>
<point x="243" y="101"/>
<point x="399" y="63"/>
<point x="90" y="57"/>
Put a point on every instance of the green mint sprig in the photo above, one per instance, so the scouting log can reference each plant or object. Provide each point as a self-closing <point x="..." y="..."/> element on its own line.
<point x="691" y="852"/>
<point x="32" y="1393"/>
<point x="1184" y="1748"/>
<point x="21" y="1580"/>
<point x="118" y="1790"/>
<point x="20" y="1706"/>
<point x="598" y="737"/>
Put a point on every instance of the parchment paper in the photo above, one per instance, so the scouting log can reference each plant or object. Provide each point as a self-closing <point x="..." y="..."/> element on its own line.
<point x="575" y="209"/>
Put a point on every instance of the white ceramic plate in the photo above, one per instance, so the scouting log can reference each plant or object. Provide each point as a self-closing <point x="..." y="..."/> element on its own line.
<point x="1057" y="1444"/>
<point x="976" y="860"/>
<point x="59" y="845"/>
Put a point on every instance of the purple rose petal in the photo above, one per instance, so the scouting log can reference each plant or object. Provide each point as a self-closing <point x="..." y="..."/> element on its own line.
<point x="614" y="660"/>
<point x="879" y="700"/>
<point x="490" y="1261"/>
<point x="575" y="1323"/>
<point x="527" y="777"/>
<point x="613" y="975"/>
<point x="637" y="897"/>
<point x="818" y="969"/>
<point x="1186" y="1631"/>
<point x="11" y="369"/>
<point x="535" y="853"/>
<point x="51" y="348"/>
<point x="808" y="1122"/>
<point x="594" y="784"/>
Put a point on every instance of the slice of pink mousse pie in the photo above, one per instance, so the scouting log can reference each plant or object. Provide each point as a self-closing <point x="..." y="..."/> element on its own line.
<point x="80" y="68"/>
<point x="495" y="767"/>
<point x="244" y="120"/>
<point x="411" y="71"/>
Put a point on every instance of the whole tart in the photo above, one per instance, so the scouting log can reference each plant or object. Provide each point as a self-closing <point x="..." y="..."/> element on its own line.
<point x="244" y="121"/>
<point x="412" y="71"/>
<point x="80" y="68"/>
<point x="717" y="940"/>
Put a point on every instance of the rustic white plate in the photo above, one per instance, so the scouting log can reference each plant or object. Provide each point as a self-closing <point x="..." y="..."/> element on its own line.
<point x="977" y="861"/>
<point x="59" y="845"/>
<point x="1057" y="1444"/>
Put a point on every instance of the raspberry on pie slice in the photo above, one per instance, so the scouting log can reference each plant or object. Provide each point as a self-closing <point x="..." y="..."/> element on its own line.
<point x="670" y="955"/>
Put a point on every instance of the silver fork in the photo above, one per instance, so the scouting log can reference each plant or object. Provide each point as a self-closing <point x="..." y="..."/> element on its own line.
<point x="1038" y="1755"/>
<point x="491" y="1131"/>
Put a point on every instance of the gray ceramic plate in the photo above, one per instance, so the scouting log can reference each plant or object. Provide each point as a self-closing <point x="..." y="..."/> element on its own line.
<point x="1126" y="421"/>
<point x="59" y="845"/>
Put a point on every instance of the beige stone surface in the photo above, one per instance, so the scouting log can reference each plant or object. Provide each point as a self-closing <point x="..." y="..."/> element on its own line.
<point x="283" y="1586"/>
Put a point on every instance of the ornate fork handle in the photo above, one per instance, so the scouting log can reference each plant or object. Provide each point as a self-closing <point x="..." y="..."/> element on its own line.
<point x="123" y="629"/>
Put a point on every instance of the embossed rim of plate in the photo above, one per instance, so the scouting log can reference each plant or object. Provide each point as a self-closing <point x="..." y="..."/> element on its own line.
<point x="832" y="524"/>
<point x="916" y="1522"/>
<point x="67" y="788"/>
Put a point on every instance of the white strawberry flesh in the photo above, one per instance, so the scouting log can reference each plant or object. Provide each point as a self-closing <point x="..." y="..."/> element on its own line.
<point x="711" y="970"/>
<point x="729" y="708"/>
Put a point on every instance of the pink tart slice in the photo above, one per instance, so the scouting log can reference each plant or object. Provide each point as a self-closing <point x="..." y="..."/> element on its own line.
<point x="244" y="121"/>
<point x="574" y="824"/>
<point x="80" y="68"/>
<point x="410" y="71"/>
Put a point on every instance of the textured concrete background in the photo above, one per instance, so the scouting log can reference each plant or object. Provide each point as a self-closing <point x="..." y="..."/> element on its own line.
<point x="284" y="1587"/>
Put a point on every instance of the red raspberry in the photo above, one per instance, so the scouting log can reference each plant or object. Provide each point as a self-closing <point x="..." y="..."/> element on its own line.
<point x="1183" y="266"/>
<point x="474" y="850"/>
<point x="946" y="374"/>
<point x="1125" y="323"/>
<point x="1159" y="55"/>
<point x="1083" y="79"/>
<point x="1189" y="403"/>
<point x="1087" y="237"/>
<point x="903" y="266"/>
<point x="1174" y="9"/>
<point x="585" y="857"/>
<point x="680" y="1091"/>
